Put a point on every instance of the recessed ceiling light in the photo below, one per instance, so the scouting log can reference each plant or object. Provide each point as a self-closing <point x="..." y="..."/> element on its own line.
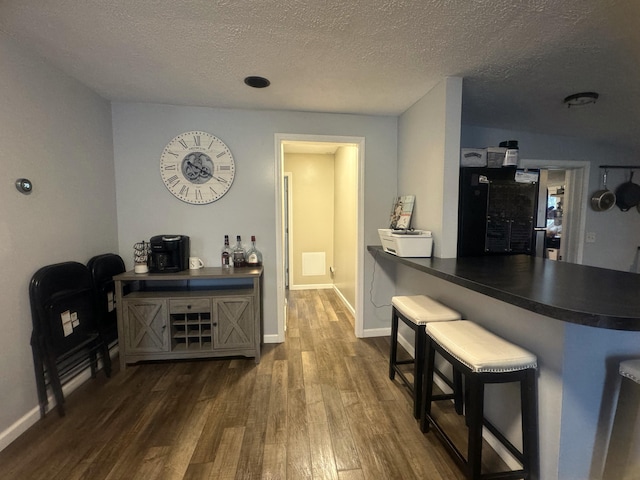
<point x="257" y="82"/>
<point x="579" y="99"/>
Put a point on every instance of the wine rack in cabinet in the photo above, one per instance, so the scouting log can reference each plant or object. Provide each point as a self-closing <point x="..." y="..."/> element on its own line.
<point x="207" y="313"/>
<point x="191" y="324"/>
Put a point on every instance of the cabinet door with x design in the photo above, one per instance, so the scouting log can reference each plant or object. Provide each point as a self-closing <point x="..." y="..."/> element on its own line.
<point x="145" y="321"/>
<point x="235" y="322"/>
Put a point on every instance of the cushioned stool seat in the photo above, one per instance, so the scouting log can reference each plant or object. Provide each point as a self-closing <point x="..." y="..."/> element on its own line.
<point x="421" y="309"/>
<point x="482" y="358"/>
<point x="630" y="369"/>
<point x="416" y="311"/>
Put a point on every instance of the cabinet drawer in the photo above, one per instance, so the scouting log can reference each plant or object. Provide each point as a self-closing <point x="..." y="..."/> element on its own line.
<point x="189" y="305"/>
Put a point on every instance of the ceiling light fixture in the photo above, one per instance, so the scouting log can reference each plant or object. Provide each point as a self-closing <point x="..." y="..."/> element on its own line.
<point x="257" y="82"/>
<point x="580" y="99"/>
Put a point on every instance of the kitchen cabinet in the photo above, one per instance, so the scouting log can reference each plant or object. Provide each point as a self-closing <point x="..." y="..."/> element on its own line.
<point x="210" y="312"/>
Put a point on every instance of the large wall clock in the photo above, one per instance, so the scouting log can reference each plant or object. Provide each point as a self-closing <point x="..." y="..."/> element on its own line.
<point x="197" y="167"/>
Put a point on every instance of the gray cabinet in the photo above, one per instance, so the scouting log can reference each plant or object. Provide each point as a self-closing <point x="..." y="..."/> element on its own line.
<point x="206" y="313"/>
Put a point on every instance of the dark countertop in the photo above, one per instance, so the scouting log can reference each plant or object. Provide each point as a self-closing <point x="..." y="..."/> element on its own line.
<point x="591" y="296"/>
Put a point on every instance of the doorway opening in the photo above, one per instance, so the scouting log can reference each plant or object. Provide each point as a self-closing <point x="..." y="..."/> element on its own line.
<point x="319" y="219"/>
<point x="563" y="183"/>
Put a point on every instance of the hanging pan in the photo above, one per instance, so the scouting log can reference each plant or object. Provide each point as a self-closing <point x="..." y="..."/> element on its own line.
<point x="628" y="194"/>
<point x="604" y="199"/>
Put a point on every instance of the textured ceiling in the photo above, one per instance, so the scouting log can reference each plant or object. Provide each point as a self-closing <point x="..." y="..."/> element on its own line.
<point x="519" y="59"/>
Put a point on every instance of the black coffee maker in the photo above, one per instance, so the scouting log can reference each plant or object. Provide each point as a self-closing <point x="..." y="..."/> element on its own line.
<point x="169" y="253"/>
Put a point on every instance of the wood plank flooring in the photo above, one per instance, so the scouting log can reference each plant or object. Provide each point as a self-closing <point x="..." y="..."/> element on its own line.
<point x="319" y="406"/>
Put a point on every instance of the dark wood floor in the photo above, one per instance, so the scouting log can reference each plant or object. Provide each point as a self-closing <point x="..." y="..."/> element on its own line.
<point x="319" y="406"/>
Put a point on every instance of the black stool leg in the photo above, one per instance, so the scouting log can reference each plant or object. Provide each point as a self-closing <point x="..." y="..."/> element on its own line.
<point x="475" y="408"/>
<point x="394" y="344"/>
<point x="529" y="401"/>
<point x="427" y="391"/>
<point x="458" y="398"/>
<point x="418" y="369"/>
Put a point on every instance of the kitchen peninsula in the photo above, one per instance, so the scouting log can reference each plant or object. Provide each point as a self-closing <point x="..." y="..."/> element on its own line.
<point x="580" y="321"/>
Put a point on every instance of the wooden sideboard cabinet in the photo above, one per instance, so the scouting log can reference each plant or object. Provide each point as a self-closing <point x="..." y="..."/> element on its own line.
<point x="202" y="313"/>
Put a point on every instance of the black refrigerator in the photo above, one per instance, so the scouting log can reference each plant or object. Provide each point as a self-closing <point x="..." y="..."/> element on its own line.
<point x="497" y="211"/>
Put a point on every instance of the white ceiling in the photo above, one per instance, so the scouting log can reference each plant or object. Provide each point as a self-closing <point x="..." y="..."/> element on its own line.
<point x="519" y="59"/>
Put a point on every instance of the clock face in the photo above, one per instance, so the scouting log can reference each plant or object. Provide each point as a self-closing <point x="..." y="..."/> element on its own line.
<point x="197" y="167"/>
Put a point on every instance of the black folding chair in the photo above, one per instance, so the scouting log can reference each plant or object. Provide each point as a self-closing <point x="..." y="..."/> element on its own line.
<point x="102" y="269"/>
<point x="65" y="338"/>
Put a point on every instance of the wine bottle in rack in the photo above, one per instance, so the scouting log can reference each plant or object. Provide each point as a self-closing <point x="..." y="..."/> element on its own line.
<point x="239" y="254"/>
<point x="227" y="254"/>
<point x="254" y="257"/>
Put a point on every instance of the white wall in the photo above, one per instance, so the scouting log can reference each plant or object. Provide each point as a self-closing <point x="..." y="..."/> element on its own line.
<point x="617" y="233"/>
<point x="146" y="208"/>
<point x="57" y="133"/>
<point x="428" y="167"/>
<point x="428" y="162"/>
<point x="346" y="222"/>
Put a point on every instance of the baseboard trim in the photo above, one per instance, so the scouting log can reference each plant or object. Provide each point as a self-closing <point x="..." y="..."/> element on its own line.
<point x="19" y="427"/>
<point x="344" y="300"/>
<point x="319" y="286"/>
<point x="273" y="338"/>
<point x="376" y="332"/>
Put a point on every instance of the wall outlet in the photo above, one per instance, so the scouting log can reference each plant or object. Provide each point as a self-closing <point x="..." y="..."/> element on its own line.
<point x="591" y="237"/>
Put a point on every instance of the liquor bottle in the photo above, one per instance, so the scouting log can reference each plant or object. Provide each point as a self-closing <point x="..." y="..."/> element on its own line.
<point x="239" y="255"/>
<point x="254" y="257"/>
<point x="227" y="254"/>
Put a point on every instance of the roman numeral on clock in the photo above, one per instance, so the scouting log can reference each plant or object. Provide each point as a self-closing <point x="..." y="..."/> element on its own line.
<point x="173" y="180"/>
<point x="183" y="143"/>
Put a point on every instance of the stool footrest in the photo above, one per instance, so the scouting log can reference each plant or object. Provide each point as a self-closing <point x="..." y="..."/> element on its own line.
<point x="404" y="379"/>
<point x="504" y="440"/>
<point x="405" y="362"/>
<point x="462" y="461"/>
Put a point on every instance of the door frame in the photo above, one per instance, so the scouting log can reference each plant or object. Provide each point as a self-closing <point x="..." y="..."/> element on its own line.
<point x="287" y="211"/>
<point x="280" y="140"/>
<point x="577" y="175"/>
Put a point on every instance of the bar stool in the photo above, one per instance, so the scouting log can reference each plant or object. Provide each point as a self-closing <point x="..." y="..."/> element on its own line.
<point x="483" y="358"/>
<point x="623" y="456"/>
<point x="416" y="311"/>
